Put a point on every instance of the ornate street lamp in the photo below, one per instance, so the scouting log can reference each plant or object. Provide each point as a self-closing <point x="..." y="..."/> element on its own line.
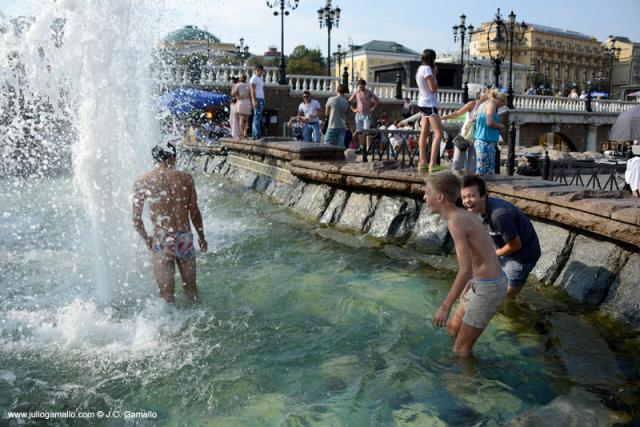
<point x="242" y="51"/>
<point x="339" y="56"/>
<point x="519" y="38"/>
<point x="353" y="71"/>
<point x="503" y="44"/>
<point x="611" y="53"/>
<point x="507" y="29"/>
<point x="472" y="69"/>
<point x="499" y="42"/>
<point x="282" y="5"/>
<point x="460" y="31"/>
<point x="329" y="18"/>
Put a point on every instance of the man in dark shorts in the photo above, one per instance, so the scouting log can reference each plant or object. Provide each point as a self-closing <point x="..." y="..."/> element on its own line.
<point x="515" y="238"/>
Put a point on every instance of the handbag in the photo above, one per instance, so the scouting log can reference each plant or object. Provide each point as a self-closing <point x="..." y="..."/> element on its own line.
<point x="470" y="134"/>
<point x="464" y="139"/>
<point x="461" y="143"/>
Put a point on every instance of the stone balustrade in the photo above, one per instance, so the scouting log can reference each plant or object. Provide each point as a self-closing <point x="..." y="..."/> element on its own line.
<point x="552" y="103"/>
<point x="318" y="85"/>
<point x="384" y="90"/>
<point x="220" y="75"/>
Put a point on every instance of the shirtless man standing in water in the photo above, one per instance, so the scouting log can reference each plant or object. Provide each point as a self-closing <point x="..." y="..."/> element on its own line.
<point x="480" y="281"/>
<point x="172" y="202"/>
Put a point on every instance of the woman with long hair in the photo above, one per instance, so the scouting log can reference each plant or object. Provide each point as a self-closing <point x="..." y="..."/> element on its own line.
<point x="428" y="105"/>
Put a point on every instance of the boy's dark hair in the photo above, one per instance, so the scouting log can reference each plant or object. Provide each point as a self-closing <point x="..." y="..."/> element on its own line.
<point x="259" y="67"/>
<point x="446" y="183"/>
<point x="428" y="57"/>
<point x="341" y="89"/>
<point x="362" y="82"/>
<point x="163" y="152"/>
<point x="475" y="181"/>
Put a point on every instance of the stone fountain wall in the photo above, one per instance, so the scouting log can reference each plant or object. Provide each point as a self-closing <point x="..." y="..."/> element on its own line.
<point x="589" y="265"/>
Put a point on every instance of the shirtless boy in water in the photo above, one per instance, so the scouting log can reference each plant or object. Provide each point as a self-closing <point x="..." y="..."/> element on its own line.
<point x="172" y="202"/>
<point x="480" y="279"/>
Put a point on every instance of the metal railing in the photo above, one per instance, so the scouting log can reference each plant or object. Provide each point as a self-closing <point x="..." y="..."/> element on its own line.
<point x="587" y="174"/>
<point x="399" y="145"/>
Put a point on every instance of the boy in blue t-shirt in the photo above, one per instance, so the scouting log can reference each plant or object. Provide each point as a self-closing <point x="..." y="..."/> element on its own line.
<point x="518" y="247"/>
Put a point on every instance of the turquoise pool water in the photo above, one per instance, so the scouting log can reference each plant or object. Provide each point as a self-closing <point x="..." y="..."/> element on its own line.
<point x="296" y="325"/>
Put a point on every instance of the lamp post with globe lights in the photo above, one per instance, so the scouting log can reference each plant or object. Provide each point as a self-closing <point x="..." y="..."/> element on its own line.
<point x="241" y="52"/>
<point x="611" y="54"/>
<point x="463" y="32"/>
<point x="329" y="17"/>
<point x="282" y="5"/>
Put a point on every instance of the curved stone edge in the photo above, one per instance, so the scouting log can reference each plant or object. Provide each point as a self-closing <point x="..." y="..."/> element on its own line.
<point x="588" y="222"/>
<point x="589" y="269"/>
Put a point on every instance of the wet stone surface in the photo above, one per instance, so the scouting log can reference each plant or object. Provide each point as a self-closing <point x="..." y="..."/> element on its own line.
<point x="590" y="270"/>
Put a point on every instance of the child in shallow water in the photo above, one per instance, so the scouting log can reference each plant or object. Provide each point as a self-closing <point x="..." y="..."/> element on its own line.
<point x="480" y="283"/>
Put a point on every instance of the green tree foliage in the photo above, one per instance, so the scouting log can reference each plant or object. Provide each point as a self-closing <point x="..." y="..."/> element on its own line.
<point x="306" y="62"/>
<point x="265" y="61"/>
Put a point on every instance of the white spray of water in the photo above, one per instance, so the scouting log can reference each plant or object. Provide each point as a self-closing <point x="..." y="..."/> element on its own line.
<point x="99" y="77"/>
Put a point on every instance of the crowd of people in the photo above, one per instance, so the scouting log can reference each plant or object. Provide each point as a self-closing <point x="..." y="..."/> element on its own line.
<point x="475" y="153"/>
<point x="312" y="120"/>
<point x="475" y="148"/>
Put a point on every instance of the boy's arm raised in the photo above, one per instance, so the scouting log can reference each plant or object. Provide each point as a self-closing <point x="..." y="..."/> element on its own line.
<point x="465" y="272"/>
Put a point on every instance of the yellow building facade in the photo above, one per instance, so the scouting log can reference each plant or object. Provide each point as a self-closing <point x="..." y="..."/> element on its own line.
<point x="564" y="58"/>
<point x="360" y="59"/>
<point x="625" y="68"/>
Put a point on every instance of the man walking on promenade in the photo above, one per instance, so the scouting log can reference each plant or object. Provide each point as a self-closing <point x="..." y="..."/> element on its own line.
<point x="515" y="238"/>
<point x="172" y="202"/>
<point x="480" y="281"/>
<point x="366" y="103"/>
<point x="257" y="100"/>
<point x="336" y="112"/>
<point x="308" y="114"/>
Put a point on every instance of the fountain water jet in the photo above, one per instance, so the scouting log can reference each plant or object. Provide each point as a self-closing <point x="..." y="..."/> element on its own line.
<point x="92" y="73"/>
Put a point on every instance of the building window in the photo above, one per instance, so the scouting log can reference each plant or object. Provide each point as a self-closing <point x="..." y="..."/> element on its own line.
<point x="557" y="73"/>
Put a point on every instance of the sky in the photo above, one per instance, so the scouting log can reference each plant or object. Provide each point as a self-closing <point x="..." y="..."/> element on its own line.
<point x="413" y="23"/>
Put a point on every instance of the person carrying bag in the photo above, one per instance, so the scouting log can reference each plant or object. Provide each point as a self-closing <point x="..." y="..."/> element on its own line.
<point x="464" y="154"/>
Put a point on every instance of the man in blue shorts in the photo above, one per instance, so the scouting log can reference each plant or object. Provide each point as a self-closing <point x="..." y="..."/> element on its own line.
<point x="513" y="234"/>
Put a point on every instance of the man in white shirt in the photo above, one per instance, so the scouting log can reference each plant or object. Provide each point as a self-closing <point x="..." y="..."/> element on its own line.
<point x="257" y="99"/>
<point x="308" y="114"/>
